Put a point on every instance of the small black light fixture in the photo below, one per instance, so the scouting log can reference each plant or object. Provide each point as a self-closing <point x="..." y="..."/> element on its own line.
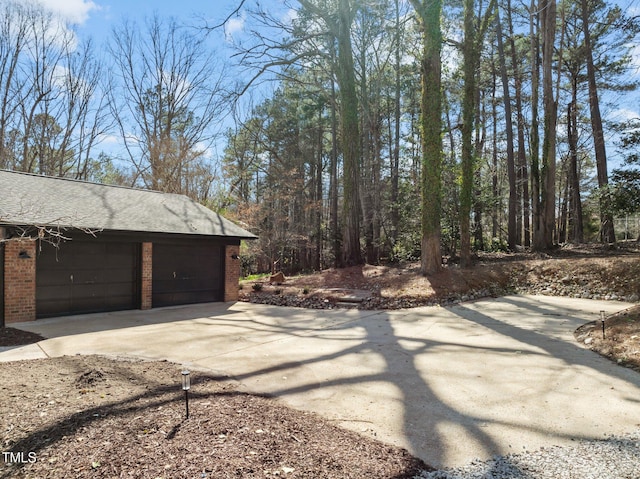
<point x="602" y="320"/>
<point x="234" y="256"/>
<point x="24" y="255"/>
<point x="186" y="385"/>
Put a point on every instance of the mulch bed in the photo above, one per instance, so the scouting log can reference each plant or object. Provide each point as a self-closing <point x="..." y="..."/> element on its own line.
<point x="621" y="341"/>
<point x="17" y="337"/>
<point x="96" y="417"/>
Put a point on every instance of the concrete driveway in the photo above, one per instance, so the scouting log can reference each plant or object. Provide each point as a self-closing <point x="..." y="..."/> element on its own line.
<point x="450" y="384"/>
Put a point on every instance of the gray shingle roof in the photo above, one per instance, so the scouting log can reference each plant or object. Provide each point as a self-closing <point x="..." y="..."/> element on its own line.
<point x="27" y="199"/>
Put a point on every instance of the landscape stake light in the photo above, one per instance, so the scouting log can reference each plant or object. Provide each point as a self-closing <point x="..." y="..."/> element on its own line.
<point x="602" y="319"/>
<point x="186" y="385"/>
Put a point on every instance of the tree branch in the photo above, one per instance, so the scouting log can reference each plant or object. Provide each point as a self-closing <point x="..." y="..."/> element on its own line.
<point x="228" y="17"/>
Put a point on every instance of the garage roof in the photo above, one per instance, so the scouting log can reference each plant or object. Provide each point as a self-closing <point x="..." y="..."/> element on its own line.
<point x="27" y="199"/>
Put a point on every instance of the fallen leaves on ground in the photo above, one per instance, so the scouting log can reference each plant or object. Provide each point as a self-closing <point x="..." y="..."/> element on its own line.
<point x="95" y="417"/>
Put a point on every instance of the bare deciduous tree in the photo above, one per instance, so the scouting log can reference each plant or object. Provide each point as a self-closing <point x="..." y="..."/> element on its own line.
<point x="14" y="22"/>
<point x="51" y="115"/>
<point x="167" y="100"/>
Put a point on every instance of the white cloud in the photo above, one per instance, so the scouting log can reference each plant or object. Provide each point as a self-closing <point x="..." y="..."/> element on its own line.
<point x="60" y="75"/>
<point x="208" y="150"/>
<point x="290" y="16"/>
<point x="74" y="11"/>
<point x="109" y="139"/>
<point x="234" y="25"/>
<point x="632" y="11"/>
<point x="623" y="114"/>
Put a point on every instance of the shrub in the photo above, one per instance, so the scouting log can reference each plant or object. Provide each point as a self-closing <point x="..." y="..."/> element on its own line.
<point x="498" y="245"/>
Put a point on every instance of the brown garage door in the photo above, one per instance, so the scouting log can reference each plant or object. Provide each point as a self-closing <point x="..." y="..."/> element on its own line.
<point x="87" y="277"/>
<point x="185" y="273"/>
<point x="1" y="285"/>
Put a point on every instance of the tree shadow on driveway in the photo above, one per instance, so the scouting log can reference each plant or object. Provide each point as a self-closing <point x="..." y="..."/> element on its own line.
<point x="378" y="380"/>
<point x="450" y="387"/>
<point x="449" y="384"/>
<point x="586" y="396"/>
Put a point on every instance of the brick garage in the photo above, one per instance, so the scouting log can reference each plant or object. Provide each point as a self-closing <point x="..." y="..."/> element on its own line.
<point x="71" y="247"/>
<point x="231" y="273"/>
<point x="20" y="274"/>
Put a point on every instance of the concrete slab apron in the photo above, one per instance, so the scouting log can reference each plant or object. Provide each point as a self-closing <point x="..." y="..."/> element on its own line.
<point x="449" y="384"/>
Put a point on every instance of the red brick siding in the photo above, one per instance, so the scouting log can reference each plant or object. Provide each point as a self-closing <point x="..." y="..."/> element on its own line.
<point x="19" y="281"/>
<point x="231" y="273"/>
<point x="147" y="276"/>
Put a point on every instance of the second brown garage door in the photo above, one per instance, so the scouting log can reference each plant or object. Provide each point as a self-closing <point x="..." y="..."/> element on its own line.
<point x="186" y="273"/>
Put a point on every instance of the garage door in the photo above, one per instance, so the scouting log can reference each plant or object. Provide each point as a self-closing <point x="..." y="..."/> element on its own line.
<point x="86" y="277"/>
<point x="1" y="285"/>
<point x="186" y="273"/>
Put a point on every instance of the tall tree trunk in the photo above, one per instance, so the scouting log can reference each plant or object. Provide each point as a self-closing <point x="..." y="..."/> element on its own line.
<point x="563" y="220"/>
<point x="548" y="196"/>
<point x="543" y="176"/>
<point x="317" y="260"/>
<point x="478" y="203"/>
<point x="449" y="176"/>
<point x="511" y="166"/>
<point x="468" y="116"/>
<point x="607" y="233"/>
<point x="495" y="194"/>
<point x="431" y="126"/>
<point x="536" y="209"/>
<point x="522" y="176"/>
<point x="375" y="186"/>
<point x="366" y="173"/>
<point x="478" y="212"/>
<point x="333" y="181"/>
<point x="575" y="226"/>
<point x="350" y="139"/>
<point x="473" y="35"/>
<point x="395" y="157"/>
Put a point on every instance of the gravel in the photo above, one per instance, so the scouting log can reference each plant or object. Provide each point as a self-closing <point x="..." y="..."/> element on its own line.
<point x="611" y="458"/>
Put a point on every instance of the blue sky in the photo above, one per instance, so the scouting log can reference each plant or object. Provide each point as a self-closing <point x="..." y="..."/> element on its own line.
<point x="97" y="17"/>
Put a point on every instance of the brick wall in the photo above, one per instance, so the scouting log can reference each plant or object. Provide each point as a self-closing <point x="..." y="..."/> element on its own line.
<point x="19" y="280"/>
<point x="231" y="273"/>
<point x="146" y="292"/>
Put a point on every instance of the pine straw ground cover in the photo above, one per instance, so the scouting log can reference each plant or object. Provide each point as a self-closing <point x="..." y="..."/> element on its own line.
<point x="579" y="271"/>
<point x="96" y="417"/>
<point x="621" y="341"/>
